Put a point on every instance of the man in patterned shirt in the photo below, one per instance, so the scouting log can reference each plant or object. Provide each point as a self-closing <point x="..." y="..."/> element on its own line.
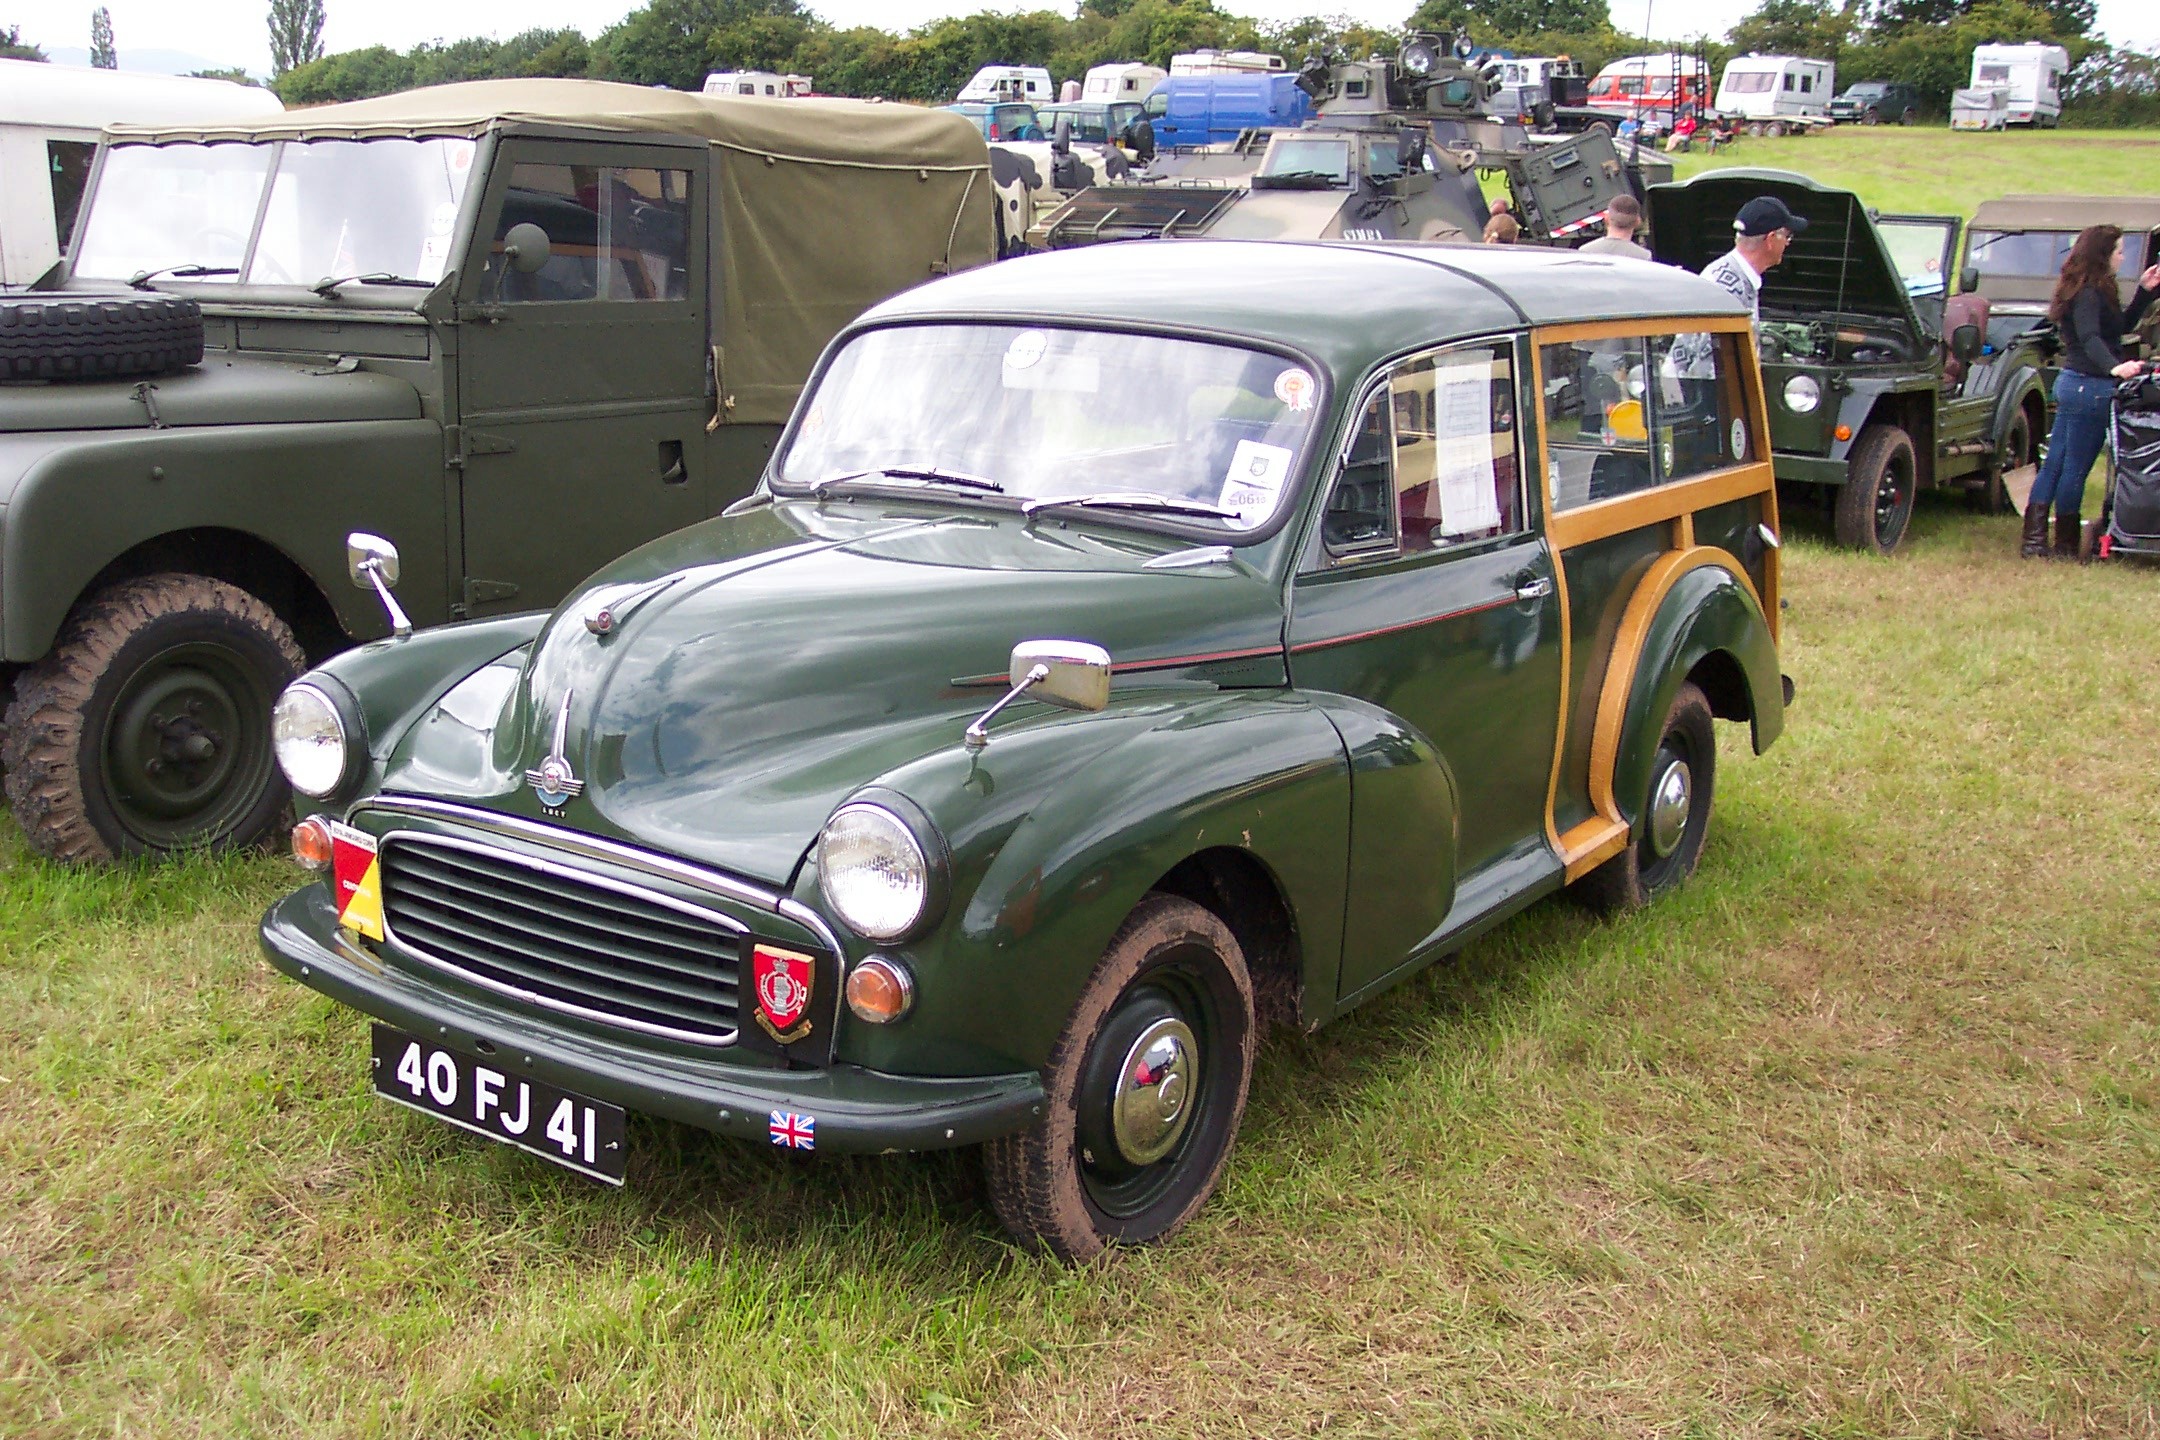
<point x="1761" y="231"/>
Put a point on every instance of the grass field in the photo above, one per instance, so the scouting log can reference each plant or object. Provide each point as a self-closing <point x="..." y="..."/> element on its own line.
<point x="1926" y="169"/>
<point x="1857" y="1135"/>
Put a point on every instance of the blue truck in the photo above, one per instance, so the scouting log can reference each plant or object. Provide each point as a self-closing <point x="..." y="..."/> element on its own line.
<point x="1209" y="109"/>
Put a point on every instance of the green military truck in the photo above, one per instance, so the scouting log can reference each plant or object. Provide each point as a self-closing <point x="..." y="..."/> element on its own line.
<point x="517" y="327"/>
<point x="1872" y="395"/>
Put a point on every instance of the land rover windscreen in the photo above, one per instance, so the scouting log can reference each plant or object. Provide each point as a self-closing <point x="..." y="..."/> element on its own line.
<point x="283" y="212"/>
<point x="1154" y="429"/>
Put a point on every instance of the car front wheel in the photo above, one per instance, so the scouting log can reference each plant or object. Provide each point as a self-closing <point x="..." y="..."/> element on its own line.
<point x="146" y="730"/>
<point x="1145" y="1090"/>
<point x="1875" y="506"/>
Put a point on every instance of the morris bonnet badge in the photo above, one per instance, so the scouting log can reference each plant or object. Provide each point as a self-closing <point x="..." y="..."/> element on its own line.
<point x="554" y="781"/>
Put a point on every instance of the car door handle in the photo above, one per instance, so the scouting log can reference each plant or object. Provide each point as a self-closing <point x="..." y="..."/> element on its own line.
<point x="1533" y="587"/>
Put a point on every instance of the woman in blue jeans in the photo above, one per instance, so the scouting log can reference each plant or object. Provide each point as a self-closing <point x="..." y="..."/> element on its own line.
<point x="2090" y="325"/>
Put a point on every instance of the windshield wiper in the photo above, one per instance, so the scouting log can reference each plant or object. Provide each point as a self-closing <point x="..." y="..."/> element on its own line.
<point x="1131" y="500"/>
<point x="921" y="474"/>
<point x="141" y="279"/>
<point x="376" y="277"/>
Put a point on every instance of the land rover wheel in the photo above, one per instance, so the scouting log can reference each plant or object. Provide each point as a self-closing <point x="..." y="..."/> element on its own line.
<point x="97" y="337"/>
<point x="1875" y="506"/>
<point x="2013" y="451"/>
<point x="1145" y="1089"/>
<point x="147" y="729"/>
<point x="1675" y="816"/>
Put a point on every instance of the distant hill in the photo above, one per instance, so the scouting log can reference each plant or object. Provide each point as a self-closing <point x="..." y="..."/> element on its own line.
<point x="150" y="62"/>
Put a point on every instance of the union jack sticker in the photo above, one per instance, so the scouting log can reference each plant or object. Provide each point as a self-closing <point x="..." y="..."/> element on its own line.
<point x="791" y="1131"/>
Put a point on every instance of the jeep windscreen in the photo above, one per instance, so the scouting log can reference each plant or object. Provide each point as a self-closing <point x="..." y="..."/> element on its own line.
<point x="285" y="212"/>
<point x="2039" y="254"/>
<point x="1920" y="251"/>
<point x="1139" y="425"/>
<point x="1298" y="163"/>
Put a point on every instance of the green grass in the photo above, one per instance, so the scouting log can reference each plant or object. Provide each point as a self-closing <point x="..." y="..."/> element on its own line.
<point x="1856" y="1135"/>
<point x="1927" y="169"/>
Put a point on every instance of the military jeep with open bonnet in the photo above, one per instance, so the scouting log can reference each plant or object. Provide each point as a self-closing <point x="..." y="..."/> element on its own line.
<point x="1874" y="394"/>
<point x="516" y="326"/>
<point x="1083" y="690"/>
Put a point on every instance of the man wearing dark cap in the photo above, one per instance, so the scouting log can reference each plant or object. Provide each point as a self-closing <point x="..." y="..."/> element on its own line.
<point x="1761" y="231"/>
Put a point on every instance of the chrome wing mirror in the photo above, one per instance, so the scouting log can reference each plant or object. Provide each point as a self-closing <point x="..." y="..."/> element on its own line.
<point x="1070" y="674"/>
<point x="373" y="564"/>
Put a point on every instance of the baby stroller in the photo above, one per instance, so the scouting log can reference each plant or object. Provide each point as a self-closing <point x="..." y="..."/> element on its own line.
<point x="2130" y="516"/>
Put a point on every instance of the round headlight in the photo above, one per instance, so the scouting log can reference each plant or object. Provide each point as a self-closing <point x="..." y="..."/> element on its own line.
<point x="873" y="872"/>
<point x="309" y="735"/>
<point x="1802" y="394"/>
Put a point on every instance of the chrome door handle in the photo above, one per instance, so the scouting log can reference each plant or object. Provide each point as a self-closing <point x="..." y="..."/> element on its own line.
<point x="1535" y="588"/>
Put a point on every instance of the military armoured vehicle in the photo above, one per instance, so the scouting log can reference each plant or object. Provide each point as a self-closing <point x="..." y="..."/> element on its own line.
<point x="1394" y="154"/>
<point x="516" y="327"/>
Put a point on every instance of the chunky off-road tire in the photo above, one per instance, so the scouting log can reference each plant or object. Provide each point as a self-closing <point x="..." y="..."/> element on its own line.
<point x="1874" y="508"/>
<point x="1675" y="817"/>
<point x="1072" y="1184"/>
<point x="2013" y="451"/>
<point x="147" y="729"/>
<point x="97" y="337"/>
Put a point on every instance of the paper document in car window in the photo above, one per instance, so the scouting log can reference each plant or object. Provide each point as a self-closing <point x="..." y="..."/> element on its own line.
<point x="1463" y="445"/>
<point x="1256" y="475"/>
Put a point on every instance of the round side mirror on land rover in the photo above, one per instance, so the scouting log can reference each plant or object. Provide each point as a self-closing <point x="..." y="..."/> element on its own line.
<point x="526" y="247"/>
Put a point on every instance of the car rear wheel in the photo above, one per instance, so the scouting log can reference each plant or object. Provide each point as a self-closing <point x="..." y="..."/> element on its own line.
<point x="1875" y="506"/>
<point x="2014" y="451"/>
<point x="146" y="730"/>
<point x="1145" y="1090"/>
<point x="1675" y="816"/>
<point x="1907" y="116"/>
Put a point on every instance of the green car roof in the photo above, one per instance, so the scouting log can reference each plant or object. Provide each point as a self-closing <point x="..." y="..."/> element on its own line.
<point x="1347" y="303"/>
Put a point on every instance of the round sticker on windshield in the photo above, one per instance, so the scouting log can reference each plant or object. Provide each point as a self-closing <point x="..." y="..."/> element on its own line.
<point x="1294" y="387"/>
<point x="1739" y="438"/>
<point x="1027" y="347"/>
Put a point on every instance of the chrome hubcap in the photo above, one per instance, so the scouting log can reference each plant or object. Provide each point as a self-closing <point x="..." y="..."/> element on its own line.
<point x="1154" y="1092"/>
<point x="1670" y="799"/>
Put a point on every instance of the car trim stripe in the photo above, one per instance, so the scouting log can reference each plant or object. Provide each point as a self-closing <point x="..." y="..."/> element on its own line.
<point x="1325" y="642"/>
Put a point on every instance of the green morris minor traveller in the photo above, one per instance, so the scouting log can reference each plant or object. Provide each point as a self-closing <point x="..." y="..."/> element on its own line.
<point x="1085" y="687"/>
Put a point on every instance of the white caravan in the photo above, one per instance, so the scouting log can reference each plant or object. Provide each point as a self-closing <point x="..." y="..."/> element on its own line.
<point x="993" y="83"/>
<point x="50" y="119"/>
<point x="762" y="83"/>
<point x="1226" y="62"/>
<point x="1760" y="88"/>
<point x="1122" y="80"/>
<point x="2028" y="78"/>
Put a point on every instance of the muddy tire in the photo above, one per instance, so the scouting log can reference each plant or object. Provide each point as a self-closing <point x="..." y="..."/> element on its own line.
<point x="1875" y="505"/>
<point x="1675" y="817"/>
<point x="146" y="730"/>
<point x="1144" y="1090"/>
<point x="97" y="337"/>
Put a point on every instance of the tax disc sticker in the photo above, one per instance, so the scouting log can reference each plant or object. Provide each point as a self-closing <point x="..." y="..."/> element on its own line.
<point x="1739" y="438"/>
<point x="1255" y="477"/>
<point x="1294" y="387"/>
<point x="1027" y="347"/>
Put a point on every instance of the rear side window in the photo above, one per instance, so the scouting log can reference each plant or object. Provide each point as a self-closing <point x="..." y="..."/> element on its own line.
<point x="69" y="161"/>
<point x="615" y="233"/>
<point x="1629" y="414"/>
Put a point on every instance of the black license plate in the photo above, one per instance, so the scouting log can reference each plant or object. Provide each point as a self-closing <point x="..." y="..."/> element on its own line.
<point x="570" y="1130"/>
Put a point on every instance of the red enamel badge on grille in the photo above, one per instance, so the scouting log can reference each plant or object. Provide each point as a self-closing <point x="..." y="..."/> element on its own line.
<point x="782" y="979"/>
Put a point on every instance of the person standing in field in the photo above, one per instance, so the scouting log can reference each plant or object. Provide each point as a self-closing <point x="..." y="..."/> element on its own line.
<point x="1623" y="219"/>
<point x="2089" y="323"/>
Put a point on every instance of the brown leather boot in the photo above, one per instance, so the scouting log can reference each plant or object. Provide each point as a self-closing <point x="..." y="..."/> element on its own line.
<point x="2033" y="543"/>
<point x="2069" y="535"/>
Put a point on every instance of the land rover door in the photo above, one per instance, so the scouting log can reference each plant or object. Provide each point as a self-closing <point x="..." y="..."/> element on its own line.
<point x="582" y="394"/>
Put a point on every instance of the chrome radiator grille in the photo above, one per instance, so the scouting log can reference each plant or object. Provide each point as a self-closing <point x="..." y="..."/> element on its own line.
<point x="562" y="937"/>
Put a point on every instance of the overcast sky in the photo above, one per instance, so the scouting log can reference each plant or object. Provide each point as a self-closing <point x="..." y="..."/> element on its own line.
<point x="232" y="33"/>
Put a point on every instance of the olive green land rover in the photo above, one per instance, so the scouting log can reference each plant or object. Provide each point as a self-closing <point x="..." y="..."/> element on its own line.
<point x="1874" y="396"/>
<point x="1084" y="689"/>
<point x="516" y="327"/>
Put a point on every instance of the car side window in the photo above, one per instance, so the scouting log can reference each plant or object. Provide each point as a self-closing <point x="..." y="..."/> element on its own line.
<point x="1597" y="429"/>
<point x="615" y="233"/>
<point x="1694" y="403"/>
<point x="1434" y="459"/>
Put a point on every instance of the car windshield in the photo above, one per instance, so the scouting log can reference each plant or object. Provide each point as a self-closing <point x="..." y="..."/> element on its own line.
<point x="1917" y="248"/>
<point x="335" y="208"/>
<point x="1326" y="160"/>
<point x="1087" y="125"/>
<point x="1864" y="92"/>
<point x="1147" y="422"/>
